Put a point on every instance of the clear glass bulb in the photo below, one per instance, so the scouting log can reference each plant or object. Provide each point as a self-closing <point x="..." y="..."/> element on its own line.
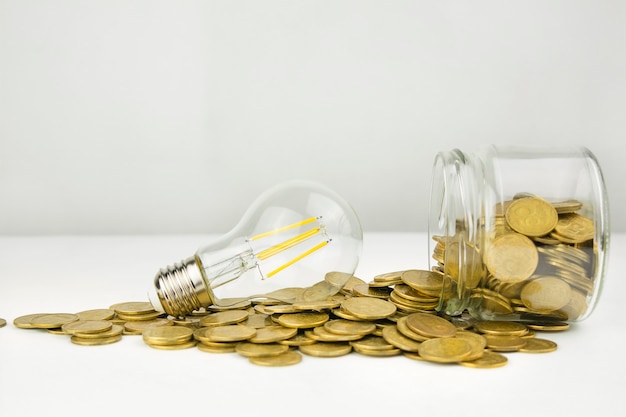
<point x="298" y="241"/>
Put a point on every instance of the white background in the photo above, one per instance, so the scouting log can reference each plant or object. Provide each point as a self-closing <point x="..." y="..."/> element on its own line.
<point x="170" y="117"/>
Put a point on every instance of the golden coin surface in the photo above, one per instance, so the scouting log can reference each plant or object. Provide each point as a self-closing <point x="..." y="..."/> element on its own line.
<point x="505" y="343"/>
<point x="487" y="360"/>
<point x="372" y="342"/>
<point x="408" y="293"/>
<point x="546" y="294"/>
<point x="96" y="341"/>
<point x="575" y="227"/>
<point x="503" y="328"/>
<point x="273" y="334"/>
<point x="167" y="335"/>
<point x="250" y="350"/>
<point x="223" y="318"/>
<point x="284" y="359"/>
<point x="227" y="348"/>
<point x="3" y="322"/>
<point x="319" y="305"/>
<point x="352" y="282"/>
<point x="303" y="320"/>
<point x="477" y="342"/>
<point x="568" y="206"/>
<point x="140" y="326"/>
<point x="445" y="350"/>
<point x="298" y="340"/>
<point x="406" y="331"/>
<point x="231" y="333"/>
<point x="326" y="349"/>
<point x="87" y="326"/>
<point x="139" y="316"/>
<point x="178" y="346"/>
<point x="130" y="308"/>
<point x="377" y="352"/>
<point x="23" y="322"/>
<point x="96" y="314"/>
<point x="423" y="280"/>
<point x="51" y="321"/>
<point x="368" y="308"/>
<point x="512" y="257"/>
<point x="430" y="325"/>
<point x="531" y="216"/>
<point x="343" y="326"/>
<point x="323" y="335"/>
<point x="389" y="278"/>
<point x="538" y="345"/>
<point x="393" y="336"/>
<point x="366" y="291"/>
<point x="548" y="326"/>
<point x="115" y="330"/>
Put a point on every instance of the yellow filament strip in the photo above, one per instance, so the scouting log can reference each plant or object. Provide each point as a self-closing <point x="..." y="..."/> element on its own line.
<point x="297" y="258"/>
<point x="287" y="244"/>
<point x="282" y="229"/>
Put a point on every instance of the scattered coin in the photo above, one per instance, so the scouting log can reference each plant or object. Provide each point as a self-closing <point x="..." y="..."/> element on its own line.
<point x="167" y="335"/>
<point x="487" y="360"/>
<point x="284" y="359"/>
<point x="87" y="326"/>
<point x="429" y="325"/>
<point x="445" y="350"/>
<point x="51" y="321"/>
<point x="368" y="308"/>
<point x="249" y="350"/>
<point x="303" y="320"/>
<point x="537" y="345"/>
<point x="326" y="349"/>
<point x="223" y="318"/>
<point x="3" y="322"/>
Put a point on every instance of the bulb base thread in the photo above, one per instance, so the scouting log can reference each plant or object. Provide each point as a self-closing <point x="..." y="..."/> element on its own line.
<point x="181" y="288"/>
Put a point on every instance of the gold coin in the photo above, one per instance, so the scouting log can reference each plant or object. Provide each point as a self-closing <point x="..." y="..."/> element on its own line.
<point x="303" y="320"/>
<point x="131" y="308"/>
<point x="140" y="326"/>
<point x="116" y="330"/>
<point x="502" y="328"/>
<point x="365" y="290"/>
<point x="167" y="335"/>
<point x="466" y="262"/>
<point x="531" y="216"/>
<point x="227" y="348"/>
<point x="258" y="320"/>
<point x="389" y="278"/>
<point x="546" y="294"/>
<point x="298" y="340"/>
<point x="548" y="326"/>
<point x="487" y="360"/>
<point x="139" y="316"/>
<point x="408" y="293"/>
<point x="372" y="342"/>
<point x="326" y="349"/>
<point x="368" y="308"/>
<point x="95" y="341"/>
<point x="425" y="281"/>
<point x="445" y="350"/>
<point x="537" y="345"/>
<point x="51" y="321"/>
<point x="430" y="325"/>
<point x="575" y="227"/>
<point x="393" y="336"/>
<point x="377" y="352"/>
<point x="512" y="258"/>
<point x="406" y="331"/>
<point x="23" y="322"/>
<point x="284" y="359"/>
<point x="568" y="206"/>
<point x="319" y="291"/>
<point x="178" y="346"/>
<point x="337" y="279"/>
<point x="231" y="333"/>
<point x="576" y="306"/>
<point x="323" y="335"/>
<point x="477" y="342"/>
<point x="223" y="318"/>
<point x="3" y="322"/>
<point x="504" y="343"/>
<point x="96" y="314"/>
<point x="250" y="350"/>
<point x="87" y="326"/>
<point x="319" y="305"/>
<point x="273" y="334"/>
<point x="343" y="326"/>
<point x="352" y="282"/>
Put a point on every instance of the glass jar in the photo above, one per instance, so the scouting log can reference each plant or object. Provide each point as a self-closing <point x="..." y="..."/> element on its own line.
<point x="518" y="233"/>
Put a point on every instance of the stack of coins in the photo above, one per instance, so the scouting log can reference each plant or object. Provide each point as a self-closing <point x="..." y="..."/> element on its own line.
<point x="394" y="314"/>
<point x="537" y="261"/>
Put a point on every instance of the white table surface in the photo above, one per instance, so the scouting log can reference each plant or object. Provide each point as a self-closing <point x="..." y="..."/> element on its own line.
<point x="44" y="374"/>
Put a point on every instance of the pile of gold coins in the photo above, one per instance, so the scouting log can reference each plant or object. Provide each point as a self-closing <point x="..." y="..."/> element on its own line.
<point x="537" y="259"/>
<point x="392" y="315"/>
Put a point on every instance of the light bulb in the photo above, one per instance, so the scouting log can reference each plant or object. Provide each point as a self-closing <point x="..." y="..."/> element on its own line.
<point x="298" y="242"/>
